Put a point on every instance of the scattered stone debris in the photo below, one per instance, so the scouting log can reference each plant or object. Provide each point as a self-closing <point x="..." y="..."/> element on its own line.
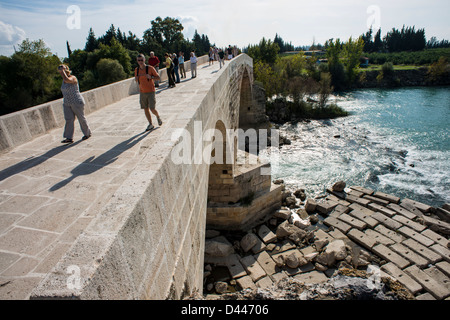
<point x="352" y="243"/>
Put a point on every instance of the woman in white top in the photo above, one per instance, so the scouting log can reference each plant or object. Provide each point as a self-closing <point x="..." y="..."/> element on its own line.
<point x="193" y="60"/>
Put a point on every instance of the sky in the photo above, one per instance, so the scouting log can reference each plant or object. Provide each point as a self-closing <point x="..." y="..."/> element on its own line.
<point x="235" y="22"/>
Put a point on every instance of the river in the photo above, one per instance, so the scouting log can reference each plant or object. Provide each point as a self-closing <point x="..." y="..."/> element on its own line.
<point x="394" y="140"/>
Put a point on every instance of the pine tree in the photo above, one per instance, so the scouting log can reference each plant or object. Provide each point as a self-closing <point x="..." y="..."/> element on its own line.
<point x="91" y="42"/>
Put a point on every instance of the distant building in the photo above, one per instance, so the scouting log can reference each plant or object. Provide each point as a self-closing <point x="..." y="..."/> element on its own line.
<point x="364" y="62"/>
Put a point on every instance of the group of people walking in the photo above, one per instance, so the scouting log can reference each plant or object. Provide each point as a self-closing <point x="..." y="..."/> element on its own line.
<point x="146" y="75"/>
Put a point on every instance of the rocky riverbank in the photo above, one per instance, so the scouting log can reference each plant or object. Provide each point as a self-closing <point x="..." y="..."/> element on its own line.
<point x="352" y="243"/>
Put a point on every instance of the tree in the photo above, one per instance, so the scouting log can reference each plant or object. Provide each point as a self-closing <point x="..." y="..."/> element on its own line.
<point x="110" y="71"/>
<point x="377" y="42"/>
<point x="91" y="42"/>
<point x="29" y="77"/>
<point x="266" y="51"/>
<point x="352" y="52"/>
<point x="166" y="32"/>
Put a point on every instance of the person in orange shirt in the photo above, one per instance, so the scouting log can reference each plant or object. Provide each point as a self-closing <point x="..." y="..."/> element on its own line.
<point x="144" y="75"/>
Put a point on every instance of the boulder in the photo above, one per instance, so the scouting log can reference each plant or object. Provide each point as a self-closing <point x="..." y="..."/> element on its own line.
<point x="310" y="205"/>
<point x="292" y="261"/>
<point x="221" y="287"/>
<point x="218" y="247"/>
<point x="248" y="241"/>
<point x="300" y="193"/>
<point x="339" y="186"/>
<point x="299" y="222"/>
<point x="298" y="236"/>
<point x="291" y="201"/>
<point x="335" y="251"/>
<point x="285" y="229"/>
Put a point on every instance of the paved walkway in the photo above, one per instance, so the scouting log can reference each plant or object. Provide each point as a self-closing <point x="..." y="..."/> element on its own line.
<point x="50" y="192"/>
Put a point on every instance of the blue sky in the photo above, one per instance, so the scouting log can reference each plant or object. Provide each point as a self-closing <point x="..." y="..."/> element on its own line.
<point x="236" y="22"/>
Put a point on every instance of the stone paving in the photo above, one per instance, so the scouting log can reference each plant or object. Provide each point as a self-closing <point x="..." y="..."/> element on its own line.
<point x="405" y="239"/>
<point x="50" y="192"/>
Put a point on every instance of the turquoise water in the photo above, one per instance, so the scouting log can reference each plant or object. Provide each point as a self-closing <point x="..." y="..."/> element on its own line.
<point x="396" y="141"/>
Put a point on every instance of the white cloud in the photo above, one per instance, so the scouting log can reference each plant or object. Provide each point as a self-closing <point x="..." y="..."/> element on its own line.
<point x="10" y="35"/>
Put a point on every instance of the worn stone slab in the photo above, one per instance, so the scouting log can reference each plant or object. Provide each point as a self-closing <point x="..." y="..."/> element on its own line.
<point x="402" y="277"/>
<point x="407" y="222"/>
<point x="432" y="286"/>
<point x="312" y="277"/>
<point x="389" y="233"/>
<point x="408" y="206"/>
<point x="362" y="189"/>
<point x="444" y="252"/>
<point x="425" y="297"/>
<point x="444" y="266"/>
<point x="439" y="276"/>
<point x="283" y="246"/>
<point x="424" y="251"/>
<point x="353" y="199"/>
<point x="371" y="222"/>
<point x="266" y="262"/>
<point x="387" y="197"/>
<point x="322" y="235"/>
<point x="340" y="209"/>
<point x="266" y="235"/>
<point x="338" y="200"/>
<point x="235" y="267"/>
<point x="437" y="225"/>
<point x="253" y="268"/>
<point x="355" y="193"/>
<point x="421" y="206"/>
<point x="435" y="237"/>
<point x="337" y="234"/>
<point x="378" y="237"/>
<point x="278" y="276"/>
<point x="246" y="282"/>
<point x="334" y="222"/>
<point x="302" y="269"/>
<point x="264" y="283"/>
<point x="389" y="255"/>
<point x="411" y="255"/>
<point x="401" y="210"/>
<point x="353" y="222"/>
<point x="259" y="246"/>
<point x="376" y="200"/>
<point x="410" y="233"/>
<point x="386" y="221"/>
<point x="326" y="206"/>
<point x="361" y="238"/>
<point x="387" y="212"/>
<point x="358" y="207"/>
<point x="283" y="214"/>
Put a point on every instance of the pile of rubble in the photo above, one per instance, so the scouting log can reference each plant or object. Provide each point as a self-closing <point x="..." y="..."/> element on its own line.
<point x="397" y="249"/>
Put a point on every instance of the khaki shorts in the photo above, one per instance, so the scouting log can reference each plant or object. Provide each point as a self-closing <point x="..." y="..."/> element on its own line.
<point x="148" y="100"/>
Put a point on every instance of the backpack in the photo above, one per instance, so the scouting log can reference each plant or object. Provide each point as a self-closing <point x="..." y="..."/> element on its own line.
<point x="137" y="73"/>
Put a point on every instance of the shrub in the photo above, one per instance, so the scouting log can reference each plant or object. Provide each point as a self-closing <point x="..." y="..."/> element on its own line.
<point x="110" y="71"/>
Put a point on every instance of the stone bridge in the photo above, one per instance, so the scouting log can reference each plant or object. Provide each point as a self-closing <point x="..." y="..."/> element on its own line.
<point x="116" y="217"/>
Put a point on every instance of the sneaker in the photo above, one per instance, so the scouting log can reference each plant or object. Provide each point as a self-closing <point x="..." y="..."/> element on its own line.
<point x="86" y="137"/>
<point x="159" y="121"/>
<point x="150" y="127"/>
<point x="67" y="141"/>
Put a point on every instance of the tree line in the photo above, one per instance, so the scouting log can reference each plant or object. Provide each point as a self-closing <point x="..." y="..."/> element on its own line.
<point x="29" y="77"/>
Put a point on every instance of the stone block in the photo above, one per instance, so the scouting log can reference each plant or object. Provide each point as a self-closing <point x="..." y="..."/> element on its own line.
<point x="439" y="276"/>
<point x="376" y="200"/>
<point x="410" y="233"/>
<point x="407" y="222"/>
<point x="444" y="252"/>
<point x="387" y="212"/>
<point x="278" y="276"/>
<point x="389" y="233"/>
<point x="378" y="237"/>
<point x="246" y="283"/>
<point x="312" y="277"/>
<point x="371" y="222"/>
<point x="266" y="235"/>
<point x="340" y="209"/>
<point x="361" y="238"/>
<point x="264" y="283"/>
<point x="362" y="190"/>
<point x="361" y="201"/>
<point x="402" y="277"/>
<point x="333" y="222"/>
<point x="253" y="268"/>
<point x="389" y="255"/>
<point x="353" y="222"/>
<point x="386" y="221"/>
<point x="444" y="266"/>
<point x="421" y="206"/>
<point x="386" y="197"/>
<point x="435" y="237"/>
<point x="326" y="206"/>
<point x="235" y="267"/>
<point x="401" y="210"/>
<point x="432" y="286"/>
<point x="411" y="255"/>
<point x="266" y="262"/>
<point x="424" y="251"/>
